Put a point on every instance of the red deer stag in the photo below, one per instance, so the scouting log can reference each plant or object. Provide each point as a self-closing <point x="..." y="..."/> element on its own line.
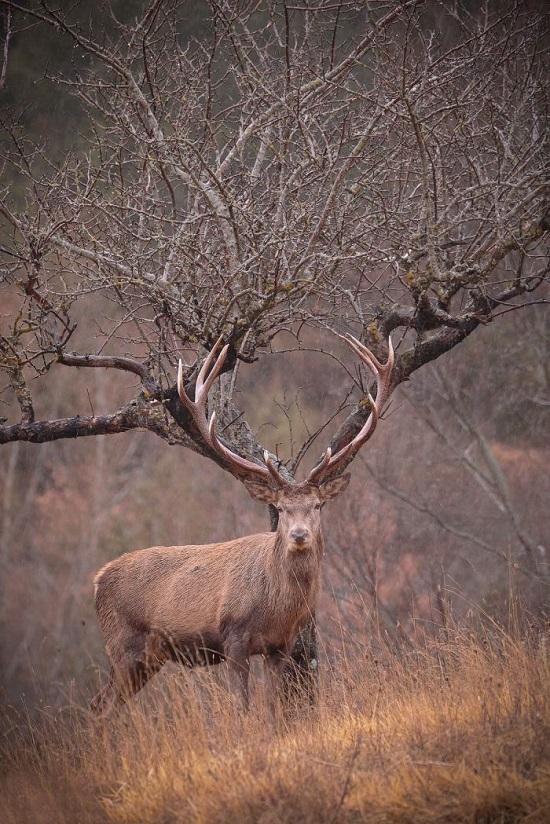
<point x="228" y="601"/>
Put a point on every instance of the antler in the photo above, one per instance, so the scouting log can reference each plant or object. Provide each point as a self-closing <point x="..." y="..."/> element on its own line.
<point x="240" y="466"/>
<point x="383" y="372"/>
<point x="197" y="409"/>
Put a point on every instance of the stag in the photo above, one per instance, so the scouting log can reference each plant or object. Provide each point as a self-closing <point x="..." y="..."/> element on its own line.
<point x="227" y="601"/>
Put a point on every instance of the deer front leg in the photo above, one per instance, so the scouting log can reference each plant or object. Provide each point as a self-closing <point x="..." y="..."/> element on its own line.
<point x="238" y="668"/>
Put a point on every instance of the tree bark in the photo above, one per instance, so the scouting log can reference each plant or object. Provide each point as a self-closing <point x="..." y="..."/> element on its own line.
<point x="76" y="427"/>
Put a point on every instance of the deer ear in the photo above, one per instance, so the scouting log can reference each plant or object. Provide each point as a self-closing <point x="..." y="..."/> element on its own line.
<point x="333" y="488"/>
<point x="261" y="492"/>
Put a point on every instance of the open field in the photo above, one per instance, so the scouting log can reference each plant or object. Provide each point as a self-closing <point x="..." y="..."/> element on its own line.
<point x="457" y="730"/>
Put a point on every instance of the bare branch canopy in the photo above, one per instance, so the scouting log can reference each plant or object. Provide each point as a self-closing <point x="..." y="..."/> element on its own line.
<point x="318" y="167"/>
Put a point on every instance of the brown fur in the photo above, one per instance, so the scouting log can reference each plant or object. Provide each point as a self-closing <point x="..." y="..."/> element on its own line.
<point x="207" y="604"/>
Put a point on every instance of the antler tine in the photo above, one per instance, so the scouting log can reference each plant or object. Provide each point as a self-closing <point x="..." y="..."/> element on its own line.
<point x="383" y="372"/>
<point x="203" y="372"/>
<point x="273" y="469"/>
<point x="215" y="371"/>
<point x="323" y="463"/>
<point x="368" y="357"/>
<point x="360" y="349"/>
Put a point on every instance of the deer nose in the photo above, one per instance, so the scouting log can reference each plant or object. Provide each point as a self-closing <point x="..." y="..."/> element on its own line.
<point x="299" y="535"/>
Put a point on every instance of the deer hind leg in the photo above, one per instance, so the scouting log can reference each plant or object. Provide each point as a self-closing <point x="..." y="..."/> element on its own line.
<point x="141" y="656"/>
<point x="107" y="699"/>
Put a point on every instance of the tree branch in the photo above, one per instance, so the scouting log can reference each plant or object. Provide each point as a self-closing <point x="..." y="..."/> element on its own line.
<point x="111" y="362"/>
<point x="75" y="427"/>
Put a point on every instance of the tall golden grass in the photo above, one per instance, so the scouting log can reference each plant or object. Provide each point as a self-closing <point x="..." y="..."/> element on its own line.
<point x="456" y="730"/>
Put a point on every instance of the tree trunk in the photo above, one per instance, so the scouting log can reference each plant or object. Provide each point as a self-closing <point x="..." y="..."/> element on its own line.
<point x="301" y="673"/>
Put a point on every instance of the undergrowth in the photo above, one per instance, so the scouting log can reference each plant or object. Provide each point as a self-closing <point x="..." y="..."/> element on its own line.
<point x="456" y="730"/>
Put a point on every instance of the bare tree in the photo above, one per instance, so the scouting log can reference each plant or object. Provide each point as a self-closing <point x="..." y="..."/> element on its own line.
<point x="337" y="166"/>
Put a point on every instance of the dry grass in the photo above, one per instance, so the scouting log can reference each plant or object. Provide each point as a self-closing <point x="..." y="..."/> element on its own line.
<point x="458" y="731"/>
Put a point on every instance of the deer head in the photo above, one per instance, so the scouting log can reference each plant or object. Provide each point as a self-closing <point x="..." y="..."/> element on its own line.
<point x="299" y="508"/>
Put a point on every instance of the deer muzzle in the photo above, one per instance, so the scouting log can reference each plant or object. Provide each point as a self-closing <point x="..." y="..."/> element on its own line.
<point x="300" y="536"/>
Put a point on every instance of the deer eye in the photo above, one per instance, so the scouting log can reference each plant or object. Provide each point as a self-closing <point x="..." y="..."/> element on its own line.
<point x="317" y="506"/>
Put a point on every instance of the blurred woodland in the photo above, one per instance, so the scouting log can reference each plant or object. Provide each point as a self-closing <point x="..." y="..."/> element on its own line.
<point x="447" y="513"/>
